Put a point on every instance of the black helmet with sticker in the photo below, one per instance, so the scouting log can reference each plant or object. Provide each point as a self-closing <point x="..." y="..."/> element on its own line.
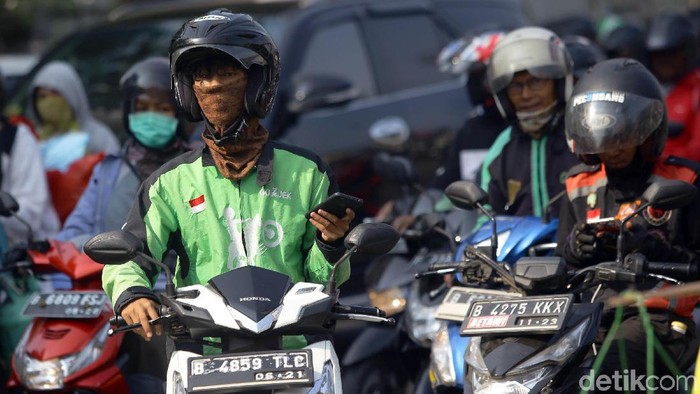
<point x="616" y="104"/>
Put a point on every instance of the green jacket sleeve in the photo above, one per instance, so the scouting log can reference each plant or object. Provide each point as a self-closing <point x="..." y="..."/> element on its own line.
<point x="151" y="220"/>
<point x="318" y="264"/>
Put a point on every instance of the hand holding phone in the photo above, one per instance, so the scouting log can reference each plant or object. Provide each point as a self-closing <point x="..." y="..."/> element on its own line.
<point x="606" y="225"/>
<point x="337" y="203"/>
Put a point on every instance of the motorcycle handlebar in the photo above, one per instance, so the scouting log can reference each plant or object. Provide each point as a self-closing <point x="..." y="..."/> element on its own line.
<point x="121" y="326"/>
<point x="686" y="272"/>
<point x="117" y="321"/>
<point x="359" y="310"/>
<point x="445" y="266"/>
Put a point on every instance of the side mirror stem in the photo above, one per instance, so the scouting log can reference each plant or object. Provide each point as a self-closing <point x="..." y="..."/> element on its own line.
<point x="169" y="285"/>
<point x="30" y="233"/>
<point x="331" y="286"/>
<point x="494" y="232"/>
<point x="621" y="236"/>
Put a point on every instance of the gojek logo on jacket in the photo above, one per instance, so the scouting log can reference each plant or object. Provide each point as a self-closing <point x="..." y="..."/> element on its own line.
<point x="250" y="238"/>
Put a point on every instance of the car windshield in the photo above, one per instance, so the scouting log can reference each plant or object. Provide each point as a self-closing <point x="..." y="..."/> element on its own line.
<point x="102" y="55"/>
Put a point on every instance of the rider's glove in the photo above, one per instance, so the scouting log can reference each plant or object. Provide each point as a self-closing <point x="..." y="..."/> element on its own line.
<point x="582" y="242"/>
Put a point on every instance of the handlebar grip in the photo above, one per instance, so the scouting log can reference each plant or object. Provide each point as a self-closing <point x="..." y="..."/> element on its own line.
<point x="686" y="272"/>
<point x="360" y="310"/>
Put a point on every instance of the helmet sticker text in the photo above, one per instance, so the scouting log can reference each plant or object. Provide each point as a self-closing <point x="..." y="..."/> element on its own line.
<point x="210" y="18"/>
<point x="613" y="97"/>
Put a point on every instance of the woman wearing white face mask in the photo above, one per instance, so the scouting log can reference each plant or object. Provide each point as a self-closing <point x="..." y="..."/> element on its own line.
<point x="156" y="133"/>
<point x="531" y="77"/>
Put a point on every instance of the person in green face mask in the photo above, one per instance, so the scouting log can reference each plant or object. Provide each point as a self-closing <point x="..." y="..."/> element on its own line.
<point x="156" y="134"/>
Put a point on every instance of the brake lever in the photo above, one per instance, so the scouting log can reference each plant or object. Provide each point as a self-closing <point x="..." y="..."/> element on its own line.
<point x="443" y="271"/>
<point x="135" y="326"/>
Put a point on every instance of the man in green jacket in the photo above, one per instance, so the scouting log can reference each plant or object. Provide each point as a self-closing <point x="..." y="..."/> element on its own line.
<point x="240" y="199"/>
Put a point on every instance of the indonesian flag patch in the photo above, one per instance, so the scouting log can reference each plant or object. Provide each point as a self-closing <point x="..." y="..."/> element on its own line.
<point x="198" y="204"/>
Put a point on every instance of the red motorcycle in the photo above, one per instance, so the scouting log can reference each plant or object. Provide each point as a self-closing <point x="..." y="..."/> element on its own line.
<point x="66" y="347"/>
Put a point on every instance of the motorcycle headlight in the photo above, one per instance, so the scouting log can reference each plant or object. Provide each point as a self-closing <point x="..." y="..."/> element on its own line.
<point x="327" y="385"/>
<point x="50" y="374"/>
<point x="526" y="375"/>
<point x="558" y="352"/>
<point x="391" y="301"/>
<point x="441" y="364"/>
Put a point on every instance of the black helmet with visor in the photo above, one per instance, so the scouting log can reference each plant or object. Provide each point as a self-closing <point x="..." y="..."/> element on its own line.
<point x="238" y="36"/>
<point x="617" y="104"/>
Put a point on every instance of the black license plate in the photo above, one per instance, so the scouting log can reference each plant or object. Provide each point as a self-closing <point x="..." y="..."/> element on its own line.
<point x="540" y="314"/>
<point x="66" y="305"/>
<point x="236" y="372"/>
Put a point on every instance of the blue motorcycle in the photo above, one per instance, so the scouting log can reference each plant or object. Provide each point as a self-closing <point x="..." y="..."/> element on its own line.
<point x="506" y="238"/>
<point x="532" y="331"/>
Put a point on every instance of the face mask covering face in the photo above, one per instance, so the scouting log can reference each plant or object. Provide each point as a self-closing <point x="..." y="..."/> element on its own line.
<point x="152" y="129"/>
<point x="534" y="120"/>
<point x="56" y="116"/>
<point x="222" y="101"/>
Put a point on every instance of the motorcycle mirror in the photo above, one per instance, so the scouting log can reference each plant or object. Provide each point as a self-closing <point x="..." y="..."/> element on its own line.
<point x="466" y="195"/>
<point x="119" y="247"/>
<point x="669" y="194"/>
<point x="9" y="208"/>
<point x="372" y="238"/>
<point x="432" y="220"/>
<point x="8" y="205"/>
<point x="113" y="247"/>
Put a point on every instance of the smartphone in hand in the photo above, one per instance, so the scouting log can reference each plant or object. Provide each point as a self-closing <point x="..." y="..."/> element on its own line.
<point x="336" y="204"/>
<point x="608" y="225"/>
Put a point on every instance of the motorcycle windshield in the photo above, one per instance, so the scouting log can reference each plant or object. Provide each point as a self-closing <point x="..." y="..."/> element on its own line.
<point x="253" y="291"/>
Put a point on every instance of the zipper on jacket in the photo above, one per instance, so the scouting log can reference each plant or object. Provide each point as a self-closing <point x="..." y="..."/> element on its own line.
<point x="240" y="213"/>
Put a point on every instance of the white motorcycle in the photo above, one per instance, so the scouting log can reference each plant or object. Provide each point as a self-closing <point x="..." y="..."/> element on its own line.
<point x="250" y="321"/>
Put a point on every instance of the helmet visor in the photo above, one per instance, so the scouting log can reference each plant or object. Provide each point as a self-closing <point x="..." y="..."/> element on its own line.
<point x="604" y="121"/>
<point x="541" y="59"/>
<point x="183" y="57"/>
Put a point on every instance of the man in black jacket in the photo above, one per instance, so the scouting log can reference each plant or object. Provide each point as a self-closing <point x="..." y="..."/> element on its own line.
<point x="616" y="122"/>
<point x="530" y="74"/>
